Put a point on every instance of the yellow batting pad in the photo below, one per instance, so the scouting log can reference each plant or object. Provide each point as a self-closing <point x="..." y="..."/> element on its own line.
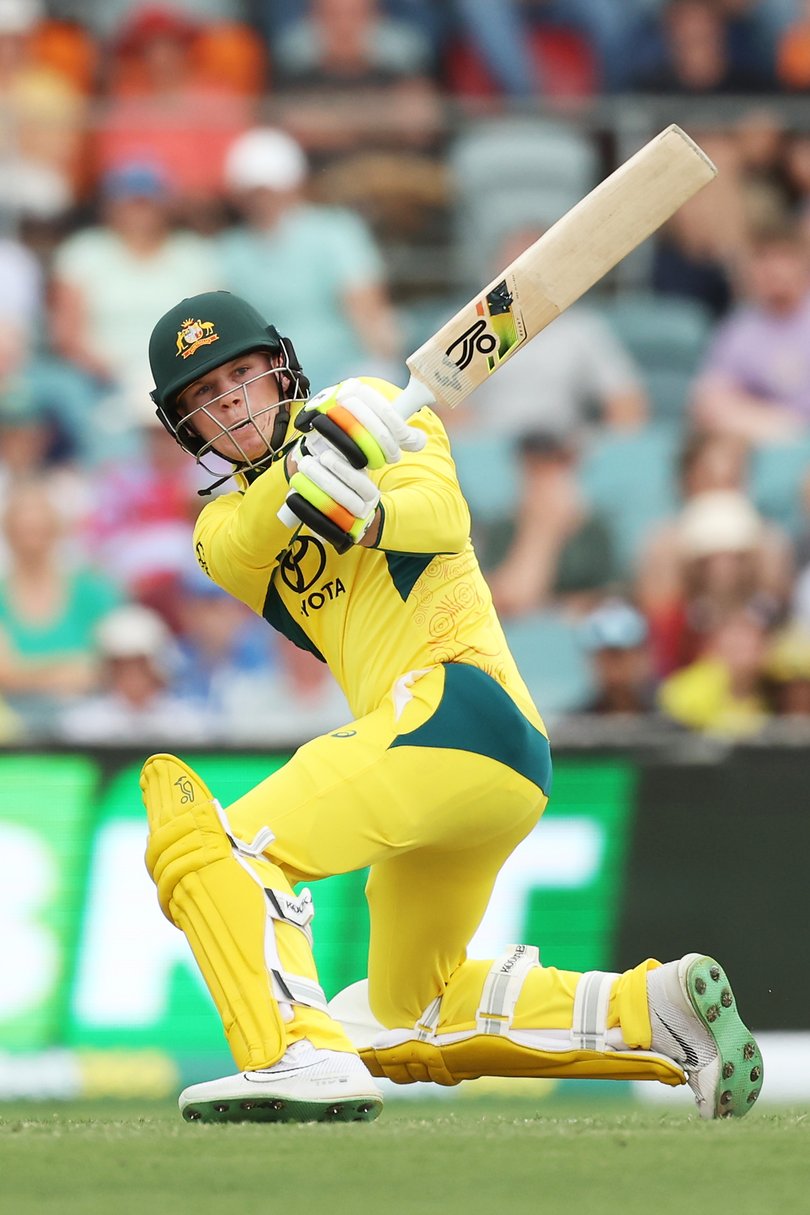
<point x="173" y="787"/>
<point x="237" y="910"/>
<point x="206" y="893"/>
<point x="513" y="1017"/>
<point x="485" y="1055"/>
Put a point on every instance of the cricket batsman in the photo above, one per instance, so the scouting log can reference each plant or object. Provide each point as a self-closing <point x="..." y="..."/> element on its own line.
<point x="444" y="769"/>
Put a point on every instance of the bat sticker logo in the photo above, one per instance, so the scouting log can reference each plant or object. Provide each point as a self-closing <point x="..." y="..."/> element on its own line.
<point x="499" y="330"/>
<point x="474" y="340"/>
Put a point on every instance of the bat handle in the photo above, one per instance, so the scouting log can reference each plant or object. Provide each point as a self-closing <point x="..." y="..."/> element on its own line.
<point x="414" y="396"/>
<point x="287" y="517"/>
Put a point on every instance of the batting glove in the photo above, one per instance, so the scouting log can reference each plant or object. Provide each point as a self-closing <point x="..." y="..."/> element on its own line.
<point x="361" y="424"/>
<point x="331" y="497"/>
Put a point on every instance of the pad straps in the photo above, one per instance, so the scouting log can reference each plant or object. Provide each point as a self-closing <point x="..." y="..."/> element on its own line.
<point x="282" y="907"/>
<point x="591" y="1000"/>
<point x="499" y="996"/>
<point x="287" y="988"/>
<point x="263" y="838"/>
<point x="298" y="911"/>
<point x="428" y="1022"/>
<point x="502" y="987"/>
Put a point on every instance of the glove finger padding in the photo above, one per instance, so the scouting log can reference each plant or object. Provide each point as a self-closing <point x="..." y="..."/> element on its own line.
<point x="391" y="431"/>
<point x="360" y="423"/>
<point x="332" y="498"/>
<point x="348" y="487"/>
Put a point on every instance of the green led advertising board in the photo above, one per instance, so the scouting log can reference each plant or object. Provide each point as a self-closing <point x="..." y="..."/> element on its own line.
<point x="90" y="962"/>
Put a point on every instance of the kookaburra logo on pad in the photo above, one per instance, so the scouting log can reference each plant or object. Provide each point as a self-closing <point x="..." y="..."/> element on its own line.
<point x="186" y="790"/>
<point x="194" y="333"/>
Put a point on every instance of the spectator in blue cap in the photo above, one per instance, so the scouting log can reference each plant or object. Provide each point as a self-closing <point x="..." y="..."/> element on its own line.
<point x="615" y="637"/>
<point x="225" y="654"/>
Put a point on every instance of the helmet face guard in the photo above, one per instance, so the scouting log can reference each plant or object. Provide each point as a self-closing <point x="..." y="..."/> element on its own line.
<point x="199" y="335"/>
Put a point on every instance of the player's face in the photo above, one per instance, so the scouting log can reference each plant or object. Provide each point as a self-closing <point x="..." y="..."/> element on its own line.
<point x="233" y="407"/>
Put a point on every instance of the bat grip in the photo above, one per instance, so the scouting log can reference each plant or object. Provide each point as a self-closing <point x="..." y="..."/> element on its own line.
<point x="287" y="517"/>
<point x="414" y="396"/>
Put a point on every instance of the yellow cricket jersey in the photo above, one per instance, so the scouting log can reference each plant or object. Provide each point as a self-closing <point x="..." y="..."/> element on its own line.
<point x="372" y="614"/>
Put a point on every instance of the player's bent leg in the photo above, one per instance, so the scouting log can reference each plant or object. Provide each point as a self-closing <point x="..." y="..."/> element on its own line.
<point x="674" y="1023"/>
<point x="251" y="938"/>
<point x="512" y="1017"/>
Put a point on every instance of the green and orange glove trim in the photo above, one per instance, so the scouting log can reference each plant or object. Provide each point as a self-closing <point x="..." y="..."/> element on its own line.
<point x="361" y="424"/>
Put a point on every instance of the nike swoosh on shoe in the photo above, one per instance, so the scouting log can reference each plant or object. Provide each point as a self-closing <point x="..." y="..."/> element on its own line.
<point x="253" y="1078"/>
<point x="690" y="1058"/>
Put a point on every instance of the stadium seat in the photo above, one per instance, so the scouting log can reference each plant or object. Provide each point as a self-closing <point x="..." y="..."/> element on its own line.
<point x="519" y="151"/>
<point x="480" y="232"/>
<point x="488" y="474"/>
<point x="669" y="390"/>
<point x="667" y="336"/>
<point x="629" y="478"/>
<point x="511" y="174"/>
<point x="777" y="476"/>
<point x="549" y="653"/>
<point x="661" y="330"/>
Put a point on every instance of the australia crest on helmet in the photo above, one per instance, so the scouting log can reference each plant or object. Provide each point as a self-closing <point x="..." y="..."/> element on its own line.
<point x="194" y="333"/>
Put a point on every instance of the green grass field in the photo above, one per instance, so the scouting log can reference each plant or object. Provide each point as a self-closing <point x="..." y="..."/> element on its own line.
<point x="498" y="1156"/>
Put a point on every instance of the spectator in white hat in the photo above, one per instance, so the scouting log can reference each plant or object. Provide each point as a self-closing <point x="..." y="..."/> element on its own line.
<point x="719" y="537"/>
<point x="314" y="268"/>
<point x="135" y="703"/>
<point x="714" y="554"/>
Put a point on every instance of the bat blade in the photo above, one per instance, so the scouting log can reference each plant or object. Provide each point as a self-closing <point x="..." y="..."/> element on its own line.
<point x="589" y="240"/>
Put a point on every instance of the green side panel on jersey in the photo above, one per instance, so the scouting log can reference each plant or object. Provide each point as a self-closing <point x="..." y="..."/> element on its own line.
<point x="476" y="714"/>
<point x="406" y="569"/>
<point x="277" y="615"/>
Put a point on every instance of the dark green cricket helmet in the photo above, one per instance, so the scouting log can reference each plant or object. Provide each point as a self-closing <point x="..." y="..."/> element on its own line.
<point x="199" y="334"/>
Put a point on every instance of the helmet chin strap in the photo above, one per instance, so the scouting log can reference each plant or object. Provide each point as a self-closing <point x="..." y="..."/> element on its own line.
<point x="280" y="425"/>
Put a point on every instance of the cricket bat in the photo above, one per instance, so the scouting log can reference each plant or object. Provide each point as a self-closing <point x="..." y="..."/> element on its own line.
<point x="554" y="272"/>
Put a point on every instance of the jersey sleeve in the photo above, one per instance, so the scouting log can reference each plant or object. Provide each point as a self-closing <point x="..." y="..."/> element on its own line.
<point x="424" y="510"/>
<point x="239" y="539"/>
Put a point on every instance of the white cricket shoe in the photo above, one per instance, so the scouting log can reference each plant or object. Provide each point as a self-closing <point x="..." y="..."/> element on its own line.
<point x="306" y="1085"/>
<point x="695" y="1022"/>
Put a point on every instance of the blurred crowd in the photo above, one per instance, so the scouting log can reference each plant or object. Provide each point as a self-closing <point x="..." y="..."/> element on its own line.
<point x="639" y="475"/>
